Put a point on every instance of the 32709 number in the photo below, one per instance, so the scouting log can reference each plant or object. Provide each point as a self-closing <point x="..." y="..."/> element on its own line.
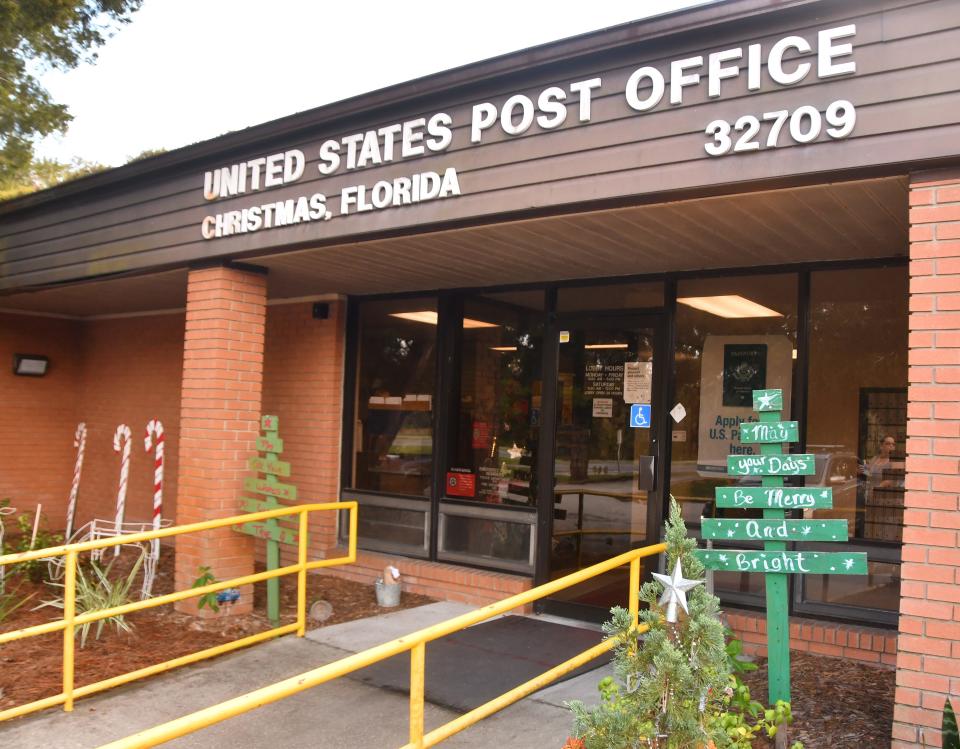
<point x="804" y="125"/>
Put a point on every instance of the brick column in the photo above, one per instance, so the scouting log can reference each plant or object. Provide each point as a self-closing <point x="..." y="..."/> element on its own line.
<point x="928" y="648"/>
<point x="219" y="420"/>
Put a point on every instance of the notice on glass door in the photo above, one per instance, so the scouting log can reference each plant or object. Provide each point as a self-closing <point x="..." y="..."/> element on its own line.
<point x="602" y="408"/>
<point x="637" y="381"/>
<point x="602" y="379"/>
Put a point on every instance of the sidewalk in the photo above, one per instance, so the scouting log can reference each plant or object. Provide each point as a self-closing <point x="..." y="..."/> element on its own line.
<point x="344" y="714"/>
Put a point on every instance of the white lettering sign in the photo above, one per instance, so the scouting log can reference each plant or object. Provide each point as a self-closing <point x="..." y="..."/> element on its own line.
<point x="788" y="61"/>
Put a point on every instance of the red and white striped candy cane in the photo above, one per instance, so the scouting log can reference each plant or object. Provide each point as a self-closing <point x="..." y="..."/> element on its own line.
<point x="122" y="435"/>
<point x="155" y="427"/>
<point x="80" y="442"/>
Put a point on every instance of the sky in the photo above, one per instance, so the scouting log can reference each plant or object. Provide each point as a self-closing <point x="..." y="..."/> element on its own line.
<point x="184" y="71"/>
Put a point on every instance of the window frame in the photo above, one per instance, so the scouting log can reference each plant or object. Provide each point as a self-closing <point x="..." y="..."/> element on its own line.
<point x="447" y="362"/>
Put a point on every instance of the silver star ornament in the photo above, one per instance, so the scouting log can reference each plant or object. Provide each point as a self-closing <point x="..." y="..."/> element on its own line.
<point x="675" y="591"/>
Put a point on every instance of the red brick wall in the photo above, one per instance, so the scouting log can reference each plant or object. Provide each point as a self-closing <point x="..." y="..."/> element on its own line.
<point x="102" y="372"/>
<point x="38" y="415"/>
<point x="928" y="660"/>
<point x="132" y="369"/>
<point x="219" y="419"/>
<point x="446" y="582"/>
<point x="303" y="386"/>
<point x="847" y="641"/>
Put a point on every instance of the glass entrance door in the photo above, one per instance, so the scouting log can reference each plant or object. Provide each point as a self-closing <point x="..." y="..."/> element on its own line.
<point x="606" y="470"/>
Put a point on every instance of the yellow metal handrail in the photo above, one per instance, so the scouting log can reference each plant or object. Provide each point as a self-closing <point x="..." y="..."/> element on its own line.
<point x="416" y="644"/>
<point x="71" y="620"/>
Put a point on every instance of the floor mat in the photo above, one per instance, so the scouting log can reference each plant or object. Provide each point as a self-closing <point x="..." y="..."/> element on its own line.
<point x="467" y="669"/>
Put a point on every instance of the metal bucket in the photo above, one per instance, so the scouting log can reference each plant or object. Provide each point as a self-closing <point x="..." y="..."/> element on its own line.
<point x="387" y="595"/>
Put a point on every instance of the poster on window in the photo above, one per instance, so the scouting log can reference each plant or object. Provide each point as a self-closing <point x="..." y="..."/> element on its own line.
<point x="732" y="367"/>
<point x="637" y="381"/>
<point x="744" y="370"/>
<point x="461" y="482"/>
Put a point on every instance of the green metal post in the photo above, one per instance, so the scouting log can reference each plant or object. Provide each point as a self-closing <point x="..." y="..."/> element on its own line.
<point x="273" y="584"/>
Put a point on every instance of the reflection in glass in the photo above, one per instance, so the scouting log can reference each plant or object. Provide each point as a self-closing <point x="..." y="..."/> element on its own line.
<point x="620" y="296"/>
<point x="873" y="591"/>
<point x="393" y="525"/>
<point x="856" y="421"/>
<point x="602" y="467"/>
<point x="497" y="426"/>
<point x="395" y="395"/>
<point x="734" y="335"/>
<point x="486" y="541"/>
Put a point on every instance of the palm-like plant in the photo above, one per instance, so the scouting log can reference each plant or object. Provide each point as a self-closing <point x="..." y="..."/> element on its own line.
<point x="97" y="592"/>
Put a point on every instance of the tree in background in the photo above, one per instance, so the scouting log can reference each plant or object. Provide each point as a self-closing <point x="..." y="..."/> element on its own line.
<point x="40" y="174"/>
<point x="36" y="35"/>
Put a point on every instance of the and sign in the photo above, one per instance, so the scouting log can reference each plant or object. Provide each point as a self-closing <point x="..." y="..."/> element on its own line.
<point x="730" y="529"/>
<point x="648" y="87"/>
<point x="774" y="498"/>
<point x="640" y="415"/>
<point x="771" y="465"/>
<point x="788" y="562"/>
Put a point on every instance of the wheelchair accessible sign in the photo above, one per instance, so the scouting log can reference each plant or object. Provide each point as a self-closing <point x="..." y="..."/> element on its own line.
<point x="640" y="415"/>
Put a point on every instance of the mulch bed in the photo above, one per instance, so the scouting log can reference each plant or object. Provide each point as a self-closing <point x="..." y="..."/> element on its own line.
<point x="30" y="669"/>
<point x="836" y="703"/>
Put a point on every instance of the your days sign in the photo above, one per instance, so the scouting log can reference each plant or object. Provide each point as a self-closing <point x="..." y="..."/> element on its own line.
<point x="789" y="61"/>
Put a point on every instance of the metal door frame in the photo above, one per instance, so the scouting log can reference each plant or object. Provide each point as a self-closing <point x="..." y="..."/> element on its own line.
<point x="657" y="320"/>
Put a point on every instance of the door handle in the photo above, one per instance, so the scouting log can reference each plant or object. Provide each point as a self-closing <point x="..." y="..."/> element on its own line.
<point x="647" y="468"/>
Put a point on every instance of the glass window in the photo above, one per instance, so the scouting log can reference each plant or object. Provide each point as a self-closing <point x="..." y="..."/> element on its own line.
<point x="487" y="536"/>
<point x="395" y="395"/>
<point x="734" y="335"/>
<point x="857" y="422"/>
<point x="495" y="430"/>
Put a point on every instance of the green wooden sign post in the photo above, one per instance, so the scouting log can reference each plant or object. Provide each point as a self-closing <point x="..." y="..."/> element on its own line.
<point x="775" y="529"/>
<point x="271" y="490"/>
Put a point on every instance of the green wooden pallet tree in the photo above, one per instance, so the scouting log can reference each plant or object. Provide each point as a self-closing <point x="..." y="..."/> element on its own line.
<point x="272" y="468"/>
<point x="775" y="561"/>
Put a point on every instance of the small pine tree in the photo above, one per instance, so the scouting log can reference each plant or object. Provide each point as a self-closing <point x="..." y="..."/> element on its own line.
<point x="671" y="680"/>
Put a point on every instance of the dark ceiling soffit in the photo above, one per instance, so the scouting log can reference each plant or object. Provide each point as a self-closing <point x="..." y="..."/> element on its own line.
<point x="565" y="50"/>
<point x="251" y="259"/>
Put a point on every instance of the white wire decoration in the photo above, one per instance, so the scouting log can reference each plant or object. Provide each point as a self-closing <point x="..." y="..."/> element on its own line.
<point x="3" y="567"/>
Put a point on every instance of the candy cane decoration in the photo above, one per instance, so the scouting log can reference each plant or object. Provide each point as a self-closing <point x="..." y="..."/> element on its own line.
<point x="122" y="435"/>
<point x="3" y="568"/>
<point x="154" y="427"/>
<point x="80" y="442"/>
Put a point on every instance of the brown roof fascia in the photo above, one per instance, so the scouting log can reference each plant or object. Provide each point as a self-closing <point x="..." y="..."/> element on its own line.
<point x="565" y="50"/>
